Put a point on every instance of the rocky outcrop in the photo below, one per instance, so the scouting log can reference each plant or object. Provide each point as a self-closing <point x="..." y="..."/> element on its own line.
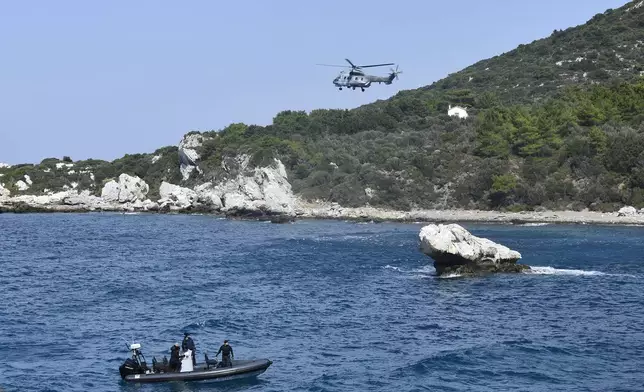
<point x="127" y="189"/>
<point x="24" y="185"/>
<point x="630" y="211"/>
<point x="455" y="250"/>
<point x="4" y="192"/>
<point x="262" y="190"/>
<point x="176" y="197"/>
<point x="73" y="200"/>
<point x="188" y="155"/>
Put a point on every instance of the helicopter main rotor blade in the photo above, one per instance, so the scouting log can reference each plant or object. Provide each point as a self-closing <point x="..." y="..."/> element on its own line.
<point x="352" y="65"/>
<point x="375" y="65"/>
<point x="333" y="65"/>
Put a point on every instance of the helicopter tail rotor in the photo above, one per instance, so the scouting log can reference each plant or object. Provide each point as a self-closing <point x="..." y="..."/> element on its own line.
<point x="394" y="74"/>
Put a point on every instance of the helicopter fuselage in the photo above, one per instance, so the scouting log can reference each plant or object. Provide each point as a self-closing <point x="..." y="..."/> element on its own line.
<point x="355" y="80"/>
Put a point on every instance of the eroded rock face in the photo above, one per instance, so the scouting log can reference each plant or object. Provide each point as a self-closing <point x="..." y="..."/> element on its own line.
<point x="176" y="196"/>
<point x="188" y="155"/>
<point x="455" y="250"/>
<point x="128" y="189"/>
<point x="260" y="190"/>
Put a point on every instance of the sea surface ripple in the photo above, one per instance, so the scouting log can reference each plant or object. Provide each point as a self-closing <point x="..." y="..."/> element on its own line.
<point x="337" y="306"/>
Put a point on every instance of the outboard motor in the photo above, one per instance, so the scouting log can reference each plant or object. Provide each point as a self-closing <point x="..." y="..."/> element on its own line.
<point x="134" y="365"/>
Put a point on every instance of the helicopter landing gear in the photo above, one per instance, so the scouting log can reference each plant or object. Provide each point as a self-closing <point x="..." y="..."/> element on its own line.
<point x="362" y="89"/>
<point x="340" y="88"/>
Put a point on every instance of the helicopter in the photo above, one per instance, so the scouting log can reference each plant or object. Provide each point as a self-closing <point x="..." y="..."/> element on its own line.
<point x="357" y="78"/>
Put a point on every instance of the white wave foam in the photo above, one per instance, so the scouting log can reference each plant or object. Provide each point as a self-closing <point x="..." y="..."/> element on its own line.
<point x="530" y="224"/>
<point x="560" y="271"/>
<point x="450" y="276"/>
<point x="570" y="272"/>
<point x="428" y="269"/>
<point x="392" y="267"/>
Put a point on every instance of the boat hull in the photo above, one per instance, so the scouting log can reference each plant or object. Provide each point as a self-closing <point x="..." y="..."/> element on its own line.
<point x="240" y="369"/>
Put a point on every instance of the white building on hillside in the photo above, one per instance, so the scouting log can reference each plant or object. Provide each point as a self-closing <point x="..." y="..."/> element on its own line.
<point x="457" y="111"/>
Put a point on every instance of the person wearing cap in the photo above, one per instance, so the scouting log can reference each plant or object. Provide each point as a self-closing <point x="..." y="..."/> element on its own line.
<point x="175" y="362"/>
<point x="188" y="344"/>
<point x="226" y="352"/>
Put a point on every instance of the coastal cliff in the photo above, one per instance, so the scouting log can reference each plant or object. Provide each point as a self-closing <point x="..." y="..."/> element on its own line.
<point x="237" y="189"/>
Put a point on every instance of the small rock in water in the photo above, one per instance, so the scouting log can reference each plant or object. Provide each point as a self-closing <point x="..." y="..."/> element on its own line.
<point x="455" y="250"/>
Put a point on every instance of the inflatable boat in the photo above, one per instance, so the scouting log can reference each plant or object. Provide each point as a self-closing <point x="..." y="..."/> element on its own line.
<point x="135" y="369"/>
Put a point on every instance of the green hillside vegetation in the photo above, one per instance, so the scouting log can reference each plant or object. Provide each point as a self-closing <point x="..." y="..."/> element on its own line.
<point x="557" y="123"/>
<point x="92" y="174"/>
<point x="609" y="46"/>
<point x="579" y="149"/>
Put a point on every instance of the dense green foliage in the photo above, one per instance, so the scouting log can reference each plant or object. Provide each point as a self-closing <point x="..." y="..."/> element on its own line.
<point x="578" y="149"/>
<point x="557" y="123"/>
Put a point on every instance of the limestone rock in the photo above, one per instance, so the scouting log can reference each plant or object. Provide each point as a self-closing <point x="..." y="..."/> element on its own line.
<point x="455" y="250"/>
<point x="208" y="195"/>
<point x="176" y="195"/>
<point x="263" y="190"/>
<point x="127" y="189"/>
<point x="627" y="211"/>
<point x="188" y="155"/>
<point x="21" y="185"/>
<point x="4" y="192"/>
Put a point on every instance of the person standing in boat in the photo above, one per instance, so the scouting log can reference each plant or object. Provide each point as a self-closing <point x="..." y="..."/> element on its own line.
<point x="175" y="362"/>
<point x="226" y="351"/>
<point x="188" y="344"/>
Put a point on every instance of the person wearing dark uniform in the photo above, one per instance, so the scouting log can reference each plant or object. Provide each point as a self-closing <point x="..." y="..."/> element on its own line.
<point x="188" y="344"/>
<point x="226" y="353"/>
<point x="175" y="362"/>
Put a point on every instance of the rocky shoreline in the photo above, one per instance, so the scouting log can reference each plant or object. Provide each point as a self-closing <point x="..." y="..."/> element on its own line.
<point x="360" y="214"/>
<point x="240" y="190"/>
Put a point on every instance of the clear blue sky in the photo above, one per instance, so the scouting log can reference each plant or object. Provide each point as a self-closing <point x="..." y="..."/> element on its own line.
<point x="99" y="79"/>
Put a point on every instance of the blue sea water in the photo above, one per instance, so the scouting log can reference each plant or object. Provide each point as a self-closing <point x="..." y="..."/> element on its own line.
<point x="337" y="306"/>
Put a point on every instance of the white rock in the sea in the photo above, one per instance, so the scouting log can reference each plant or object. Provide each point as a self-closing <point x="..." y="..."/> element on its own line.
<point x="451" y="247"/>
<point x="127" y="189"/>
<point x="188" y="155"/>
<point x="627" y="211"/>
